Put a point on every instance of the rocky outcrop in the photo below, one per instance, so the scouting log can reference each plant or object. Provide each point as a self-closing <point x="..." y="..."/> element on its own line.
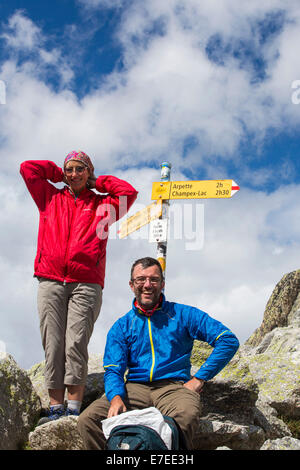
<point x="19" y="404"/>
<point x="280" y="307"/>
<point x="249" y="405"/>
<point x="274" y="362"/>
<point x="270" y="359"/>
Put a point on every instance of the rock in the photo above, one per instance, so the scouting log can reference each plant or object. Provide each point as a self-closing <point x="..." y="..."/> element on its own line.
<point x="36" y="375"/>
<point x="279" y="306"/>
<point x="95" y="364"/>
<point x="233" y="392"/>
<point x="231" y="399"/>
<point x="19" y="404"/>
<point x="228" y="413"/>
<point x="200" y="352"/>
<point x="267" y="418"/>
<point x="61" y="434"/>
<point x="95" y="380"/>
<point x="275" y="366"/>
<point x="285" y="443"/>
<point x="214" y="433"/>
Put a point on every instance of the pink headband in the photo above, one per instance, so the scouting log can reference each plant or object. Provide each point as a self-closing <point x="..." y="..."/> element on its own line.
<point x="80" y="157"/>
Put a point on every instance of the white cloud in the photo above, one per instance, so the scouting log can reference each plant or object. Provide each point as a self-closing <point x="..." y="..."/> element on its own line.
<point x="95" y="4"/>
<point x="21" y="33"/>
<point x="177" y="58"/>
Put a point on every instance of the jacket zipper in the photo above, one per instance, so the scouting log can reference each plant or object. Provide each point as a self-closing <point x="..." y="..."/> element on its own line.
<point x="68" y="242"/>
<point x="152" y="349"/>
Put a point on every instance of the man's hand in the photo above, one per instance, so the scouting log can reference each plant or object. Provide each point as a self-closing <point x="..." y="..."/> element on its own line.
<point x="195" y="384"/>
<point x="116" y="406"/>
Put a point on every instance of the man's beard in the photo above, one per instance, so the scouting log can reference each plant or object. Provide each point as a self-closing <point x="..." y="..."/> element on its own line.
<point x="147" y="303"/>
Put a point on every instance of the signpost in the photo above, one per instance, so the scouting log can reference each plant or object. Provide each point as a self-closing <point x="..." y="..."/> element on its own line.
<point x="158" y="230"/>
<point x="143" y="217"/>
<point x="194" y="189"/>
<point x="157" y="213"/>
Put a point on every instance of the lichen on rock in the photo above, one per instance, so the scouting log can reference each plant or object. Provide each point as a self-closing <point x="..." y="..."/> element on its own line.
<point x="279" y="306"/>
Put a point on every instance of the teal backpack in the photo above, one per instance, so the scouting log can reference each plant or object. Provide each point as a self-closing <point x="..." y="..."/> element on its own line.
<point x="140" y="437"/>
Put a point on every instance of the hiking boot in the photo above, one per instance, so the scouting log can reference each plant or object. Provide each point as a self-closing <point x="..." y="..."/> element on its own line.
<point x="71" y="412"/>
<point x="52" y="415"/>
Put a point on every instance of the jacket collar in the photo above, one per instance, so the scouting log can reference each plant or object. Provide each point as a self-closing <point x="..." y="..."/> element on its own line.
<point x="161" y="307"/>
<point x="84" y="194"/>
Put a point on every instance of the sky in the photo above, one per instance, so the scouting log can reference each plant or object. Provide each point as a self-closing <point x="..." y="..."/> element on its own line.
<point x="211" y="86"/>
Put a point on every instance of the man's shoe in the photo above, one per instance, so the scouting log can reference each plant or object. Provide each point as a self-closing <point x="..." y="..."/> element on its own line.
<point x="53" y="414"/>
<point x="71" y="412"/>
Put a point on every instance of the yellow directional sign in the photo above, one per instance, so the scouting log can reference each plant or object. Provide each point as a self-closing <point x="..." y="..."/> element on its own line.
<point x="143" y="217"/>
<point x="194" y="189"/>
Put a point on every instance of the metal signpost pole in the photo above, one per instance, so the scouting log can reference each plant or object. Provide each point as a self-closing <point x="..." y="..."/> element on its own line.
<point x="161" y="253"/>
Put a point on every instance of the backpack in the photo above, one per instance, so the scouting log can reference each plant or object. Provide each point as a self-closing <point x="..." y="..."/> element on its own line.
<point x="140" y="437"/>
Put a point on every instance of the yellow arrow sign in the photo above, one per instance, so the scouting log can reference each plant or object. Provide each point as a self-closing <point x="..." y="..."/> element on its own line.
<point x="143" y="217"/>
<point x="194" y="189"/>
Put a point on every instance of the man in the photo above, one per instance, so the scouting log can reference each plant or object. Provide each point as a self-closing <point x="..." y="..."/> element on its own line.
<point x="70" y="265"/>
<point x="154" y="341"/>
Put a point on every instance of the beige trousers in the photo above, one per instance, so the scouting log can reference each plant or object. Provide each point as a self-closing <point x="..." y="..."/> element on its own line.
<point x="171" y="398"/>
<point x="67" y="317"/>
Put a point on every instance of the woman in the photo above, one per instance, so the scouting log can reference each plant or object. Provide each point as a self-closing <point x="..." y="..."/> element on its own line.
<point x="70" y="265"/>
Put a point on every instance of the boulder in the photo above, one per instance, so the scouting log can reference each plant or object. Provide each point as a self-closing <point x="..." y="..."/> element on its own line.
<point x="285" y="443"/>
<point x="61" y="434"/>
<point x="214" y="433"/>
<point x="229" y="411"/>
<point x="19" y="404"/>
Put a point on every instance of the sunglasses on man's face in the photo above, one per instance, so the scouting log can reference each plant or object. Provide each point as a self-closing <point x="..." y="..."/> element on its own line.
<point x="77" y="169"/>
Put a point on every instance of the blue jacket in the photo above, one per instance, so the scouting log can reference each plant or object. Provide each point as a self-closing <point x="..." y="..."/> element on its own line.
<point x="159" y="347"/>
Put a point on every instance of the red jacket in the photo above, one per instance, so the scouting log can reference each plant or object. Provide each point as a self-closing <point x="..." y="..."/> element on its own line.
<point x="73" y="232"/>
